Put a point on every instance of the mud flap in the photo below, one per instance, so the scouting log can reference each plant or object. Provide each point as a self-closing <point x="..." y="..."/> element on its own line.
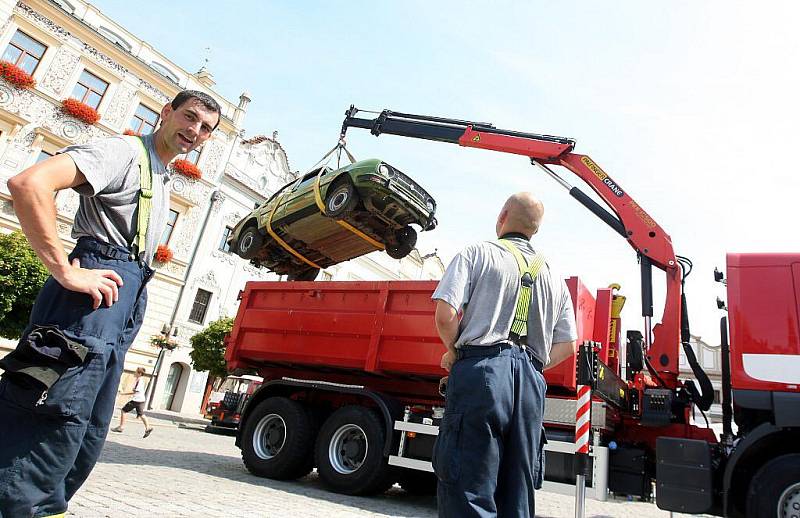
<point x="684" y="479"/>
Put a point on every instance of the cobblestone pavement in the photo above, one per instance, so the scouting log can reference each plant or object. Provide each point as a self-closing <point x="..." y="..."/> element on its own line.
<point x="180" y="471"/>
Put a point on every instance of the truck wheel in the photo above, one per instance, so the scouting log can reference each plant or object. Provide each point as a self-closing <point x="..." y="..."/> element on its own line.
<point x="278" y="440"/>
<point x="406" y="241"/>
<point x="775" y="488"/>
<point x="341" y="200"/>
<point x="349" y="452"/>
<point x="249" y="243"/>
<point x="418" y="482"/>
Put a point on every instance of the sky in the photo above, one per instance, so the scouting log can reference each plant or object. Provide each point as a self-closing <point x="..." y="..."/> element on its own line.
<point x="691" y="107"/>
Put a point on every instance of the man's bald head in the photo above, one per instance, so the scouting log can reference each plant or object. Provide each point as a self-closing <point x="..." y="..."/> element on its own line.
<point x="521" y="213"/>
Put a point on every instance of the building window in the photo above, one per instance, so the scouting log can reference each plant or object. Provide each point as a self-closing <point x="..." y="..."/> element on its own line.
<point x="717" y="397"/>
<point x="167" y="234"/>
<point x="43" y="155"/>
<point x="193" y="156"/>
<point x="144" y="120"/>
<point x="90" y="89"/>
<point x="223" y="244"/>
<point x="24" y="51"/>
<point x="200" y="306"/>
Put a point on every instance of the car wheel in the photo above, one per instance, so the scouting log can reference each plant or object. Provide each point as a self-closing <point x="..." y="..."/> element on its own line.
<point x="278" y="440"/>
<point x="341" y="200"/>
<point x="309" y="274"/>
<point x="249" y="243"/>
<point x="406" y="239"/>
<point x="775" y="488"/>
<point x="349" y="452"/>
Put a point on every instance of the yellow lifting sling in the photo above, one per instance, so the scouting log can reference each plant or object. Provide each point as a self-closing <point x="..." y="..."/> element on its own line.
<point x="527" y="274"/>
<point x="145" y="194"/>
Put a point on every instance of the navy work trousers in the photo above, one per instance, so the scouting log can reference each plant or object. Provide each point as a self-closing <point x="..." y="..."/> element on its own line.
<point x="489" y="454"/>
<point x="50" y="442"/>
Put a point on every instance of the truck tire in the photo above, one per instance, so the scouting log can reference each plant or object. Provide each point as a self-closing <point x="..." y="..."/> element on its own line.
<point x="349" y="452"/>
<point x="278" y="440"/>
<point x="249" y="243"/>
<point x="341" y="200"/>
<point x="775" y="488"/>
<point x="416" y="482"/>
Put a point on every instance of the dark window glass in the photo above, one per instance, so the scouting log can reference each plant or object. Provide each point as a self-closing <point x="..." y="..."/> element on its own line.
<point x="144" y="120"/>
<point x="43" y="155"/>
<point x="24" y="51"/>
<point x="90" y="89"/>
<point x="167" y="234"/>
<point x="200" y="306"/>
<point x="223" y="244"/>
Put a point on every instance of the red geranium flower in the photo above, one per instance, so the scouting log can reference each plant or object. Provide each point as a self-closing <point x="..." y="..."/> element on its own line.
<point x="131" y="133"/>
<point x="77" y="109"/>
<point x="163" y="254"/>
<point x="16" y="76"/>
<point x="187" y="168"/>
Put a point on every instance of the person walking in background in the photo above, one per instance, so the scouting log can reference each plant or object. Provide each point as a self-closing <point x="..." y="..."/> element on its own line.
<point x="136" y="403"/>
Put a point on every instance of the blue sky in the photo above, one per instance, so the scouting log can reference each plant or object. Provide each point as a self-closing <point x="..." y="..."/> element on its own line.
<point x="691" y="107"/>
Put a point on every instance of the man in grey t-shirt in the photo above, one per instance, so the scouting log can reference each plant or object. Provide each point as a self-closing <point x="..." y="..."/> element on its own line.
<point x="488" y="456"/>
<point x="58" y="387"/>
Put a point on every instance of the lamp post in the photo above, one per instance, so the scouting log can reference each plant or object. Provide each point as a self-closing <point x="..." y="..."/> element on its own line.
<point x="162" y="344"/>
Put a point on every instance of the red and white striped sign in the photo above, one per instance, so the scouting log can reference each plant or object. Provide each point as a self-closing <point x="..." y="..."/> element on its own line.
<point x="583" y="419"/>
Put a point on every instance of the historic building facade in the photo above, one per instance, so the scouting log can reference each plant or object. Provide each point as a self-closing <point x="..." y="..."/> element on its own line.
<point x="73" y="51"/>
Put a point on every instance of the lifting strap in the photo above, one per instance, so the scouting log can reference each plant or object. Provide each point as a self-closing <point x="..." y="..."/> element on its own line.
<point x="145" y="193"/>
<point x="527" y="274"/>
<point x="322" y="163"/>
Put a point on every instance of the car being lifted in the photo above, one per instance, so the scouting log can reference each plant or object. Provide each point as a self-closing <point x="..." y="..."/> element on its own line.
<point x="328" y="216"/>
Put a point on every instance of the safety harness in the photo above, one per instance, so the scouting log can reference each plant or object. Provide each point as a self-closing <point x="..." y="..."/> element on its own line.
<point x="527" y="274"/>
<point x="145" y="195"/>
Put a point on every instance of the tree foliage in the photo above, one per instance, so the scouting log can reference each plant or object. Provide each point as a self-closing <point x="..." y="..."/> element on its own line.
<point x="208" y="348"/>
<point x="22" y="275"/>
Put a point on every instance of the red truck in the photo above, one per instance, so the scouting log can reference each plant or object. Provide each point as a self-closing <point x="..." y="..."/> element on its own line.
<point x="352" y="372"/>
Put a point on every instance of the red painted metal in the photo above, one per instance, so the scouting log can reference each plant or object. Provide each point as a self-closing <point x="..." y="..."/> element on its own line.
<point x="764" y="315"/>
<point x="601" y="332"/>
<point x="376" y="334"/>
<point x="539" y="149"/>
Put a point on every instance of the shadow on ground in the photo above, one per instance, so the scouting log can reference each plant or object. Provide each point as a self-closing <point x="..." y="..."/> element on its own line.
<point x="231" y="468"/>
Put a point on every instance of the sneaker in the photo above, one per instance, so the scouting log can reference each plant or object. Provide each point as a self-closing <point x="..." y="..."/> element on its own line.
<point x="147" y="432"/>
<point x="118" y="429"/>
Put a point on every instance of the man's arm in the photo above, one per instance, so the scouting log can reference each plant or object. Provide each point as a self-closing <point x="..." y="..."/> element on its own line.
<point x="560" y="352"/>
<point x="447" y="326"/>
<point x="32" y="192"/>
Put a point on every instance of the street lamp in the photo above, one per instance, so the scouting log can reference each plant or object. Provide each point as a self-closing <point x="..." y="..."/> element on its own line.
<point x="165" y="342"/>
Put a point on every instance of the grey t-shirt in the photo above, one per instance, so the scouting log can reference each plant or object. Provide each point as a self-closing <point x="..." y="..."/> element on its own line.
<point x="483" y="280"/>
<point x="109" y="202"/>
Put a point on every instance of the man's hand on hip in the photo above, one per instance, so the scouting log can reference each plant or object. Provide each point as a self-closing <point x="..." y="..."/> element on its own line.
<point x="99" y="284"/>
<point x="448" y="359"/>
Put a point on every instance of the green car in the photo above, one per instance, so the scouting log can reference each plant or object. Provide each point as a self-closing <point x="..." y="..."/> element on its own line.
<point x="376" y="201"/>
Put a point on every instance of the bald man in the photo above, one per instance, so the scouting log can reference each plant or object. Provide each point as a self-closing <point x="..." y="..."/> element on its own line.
<point x="489" y="454"/>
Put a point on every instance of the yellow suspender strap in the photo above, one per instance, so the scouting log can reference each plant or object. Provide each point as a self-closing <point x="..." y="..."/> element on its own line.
<point x="348" y="226"/>
<point x="145" y="195"/>
<point x="519" y="326"/>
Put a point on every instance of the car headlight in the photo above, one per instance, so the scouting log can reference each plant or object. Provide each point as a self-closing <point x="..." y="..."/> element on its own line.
<point x="430" y="204"/>
<point x="386" y="170"/>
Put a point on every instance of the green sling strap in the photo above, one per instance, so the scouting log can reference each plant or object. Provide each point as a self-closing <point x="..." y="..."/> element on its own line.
<point x="527" y="273"/>
<point x="145" y="194"/>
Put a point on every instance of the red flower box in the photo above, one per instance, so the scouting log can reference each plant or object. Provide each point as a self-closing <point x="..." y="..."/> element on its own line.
<point x="77" y="109"/>
<point x="187" y="168"/>
<point x="16" y="76"/>
<point x="131" y="133"/>
<point x="163" y="254"/>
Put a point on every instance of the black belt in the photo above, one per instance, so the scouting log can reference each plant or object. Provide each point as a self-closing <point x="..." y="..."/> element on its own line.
<point x="107" y="250"/>
<point x="469" y="351"/>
